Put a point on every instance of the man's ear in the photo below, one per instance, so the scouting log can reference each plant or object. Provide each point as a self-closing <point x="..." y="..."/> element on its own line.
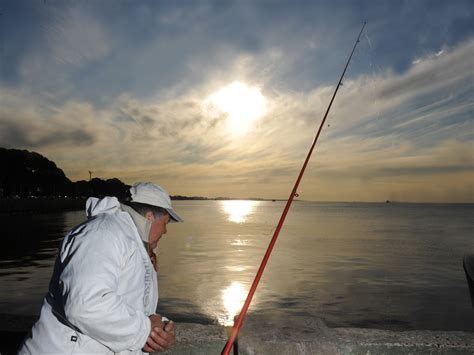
<point x="150" y="216"/>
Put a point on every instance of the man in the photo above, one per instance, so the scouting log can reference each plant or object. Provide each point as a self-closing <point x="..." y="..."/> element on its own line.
<point x="103" y="292"/>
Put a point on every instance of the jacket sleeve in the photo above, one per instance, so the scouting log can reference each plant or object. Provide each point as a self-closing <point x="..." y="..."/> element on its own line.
<point x="91" y="282"/>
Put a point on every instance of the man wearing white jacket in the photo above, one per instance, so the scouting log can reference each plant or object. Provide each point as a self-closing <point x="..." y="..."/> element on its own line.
<point x="103" y="293"/>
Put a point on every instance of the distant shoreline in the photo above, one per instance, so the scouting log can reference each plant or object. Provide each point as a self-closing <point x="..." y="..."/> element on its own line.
<point x="52" y="204"/>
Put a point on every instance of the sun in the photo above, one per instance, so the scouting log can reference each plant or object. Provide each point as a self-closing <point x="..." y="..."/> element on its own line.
<point x="243" y="105"/>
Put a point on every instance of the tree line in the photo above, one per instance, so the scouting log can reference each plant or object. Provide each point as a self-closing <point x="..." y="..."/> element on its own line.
<point x="26" y="174"/>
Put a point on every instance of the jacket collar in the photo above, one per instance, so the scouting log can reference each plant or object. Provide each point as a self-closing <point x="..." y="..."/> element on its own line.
<point x="143" y="225"/>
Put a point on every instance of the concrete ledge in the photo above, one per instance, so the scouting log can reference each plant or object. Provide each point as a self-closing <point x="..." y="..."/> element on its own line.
<point x="198" y="339"/>
<point x="435" y="342"/>
<point x="305" y="336"/>
<point x="191" y="338"/>
<point x="314" y="337"/>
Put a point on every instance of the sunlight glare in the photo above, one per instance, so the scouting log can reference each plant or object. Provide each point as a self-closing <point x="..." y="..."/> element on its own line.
<point x="233" y="298"/>
<point x="243" y="105"/>
<point x="238" y="210"/>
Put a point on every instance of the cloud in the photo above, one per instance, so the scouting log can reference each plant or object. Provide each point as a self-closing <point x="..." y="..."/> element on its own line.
<point x="387" y="127"/>
<point x="433" y="72"/>
<point x="24" y="123"/>
<point x="412" y="105"/>
<point x="51" y="48"/>
<point x="17" y="135"/>
<point x="131" y="106"/>
<point x="76" y="38"/>
<point x="97" y="51"/>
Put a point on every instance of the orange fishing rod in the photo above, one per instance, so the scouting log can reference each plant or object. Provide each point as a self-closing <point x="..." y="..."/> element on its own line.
<point x="243" y="312"/>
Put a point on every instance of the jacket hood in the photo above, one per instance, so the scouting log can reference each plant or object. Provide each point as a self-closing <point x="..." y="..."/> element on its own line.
<point x="109" y="205"/>
<point x="95" y="206"/>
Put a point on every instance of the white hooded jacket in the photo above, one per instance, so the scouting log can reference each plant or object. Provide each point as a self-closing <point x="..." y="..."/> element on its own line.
<point x="102" y="290"/>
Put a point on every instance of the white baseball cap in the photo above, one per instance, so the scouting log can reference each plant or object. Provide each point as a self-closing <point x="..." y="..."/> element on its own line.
<point x="155" y="195"/>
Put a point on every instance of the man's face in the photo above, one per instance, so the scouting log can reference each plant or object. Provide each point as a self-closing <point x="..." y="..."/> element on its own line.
<point x="158" y="228"/>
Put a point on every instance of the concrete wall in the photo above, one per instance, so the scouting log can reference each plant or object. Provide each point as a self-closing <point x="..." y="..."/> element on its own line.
<point x="305" y="336"/>
<point x="312" y="336"/>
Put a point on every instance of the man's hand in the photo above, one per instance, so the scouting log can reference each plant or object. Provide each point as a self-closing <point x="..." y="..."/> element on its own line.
<point x="162" y="336"/>
<point x="170" y="328"/>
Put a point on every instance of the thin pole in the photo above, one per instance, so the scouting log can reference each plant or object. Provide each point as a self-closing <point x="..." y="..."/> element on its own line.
<point x="243" y="312"/>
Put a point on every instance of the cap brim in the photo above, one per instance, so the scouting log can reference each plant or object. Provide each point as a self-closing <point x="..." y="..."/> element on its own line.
<point x="174" y="216"/>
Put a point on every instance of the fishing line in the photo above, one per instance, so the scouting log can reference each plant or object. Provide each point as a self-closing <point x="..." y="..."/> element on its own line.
<point x="243" y="312"/>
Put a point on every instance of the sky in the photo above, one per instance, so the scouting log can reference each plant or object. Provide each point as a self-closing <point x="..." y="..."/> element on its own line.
<point x="224" y="98"/>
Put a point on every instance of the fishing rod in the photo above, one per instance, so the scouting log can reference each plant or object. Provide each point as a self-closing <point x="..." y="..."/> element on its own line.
<point x="243" y="312"/>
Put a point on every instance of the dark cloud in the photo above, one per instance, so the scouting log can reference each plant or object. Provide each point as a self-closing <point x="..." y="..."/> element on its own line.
<point x="17" y="135"/>
<point x="77" y="137"/>
<point x="195" y="151"/>
<point x="13" y="136"/>
<point x="124" y="116"/>
<point x="175" y="119"/>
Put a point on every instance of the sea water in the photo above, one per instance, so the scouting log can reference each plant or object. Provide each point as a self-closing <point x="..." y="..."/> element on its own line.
<point x="389" y="266"/>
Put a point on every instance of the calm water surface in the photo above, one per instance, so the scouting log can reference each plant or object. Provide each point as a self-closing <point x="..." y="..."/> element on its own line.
<point x="389" y="266"/>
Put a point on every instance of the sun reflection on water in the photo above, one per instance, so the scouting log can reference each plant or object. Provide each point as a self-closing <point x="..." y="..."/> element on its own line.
<point x="233" y="298"/>
<point x="238" y="210"/>
<point x="240" y="242"/>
